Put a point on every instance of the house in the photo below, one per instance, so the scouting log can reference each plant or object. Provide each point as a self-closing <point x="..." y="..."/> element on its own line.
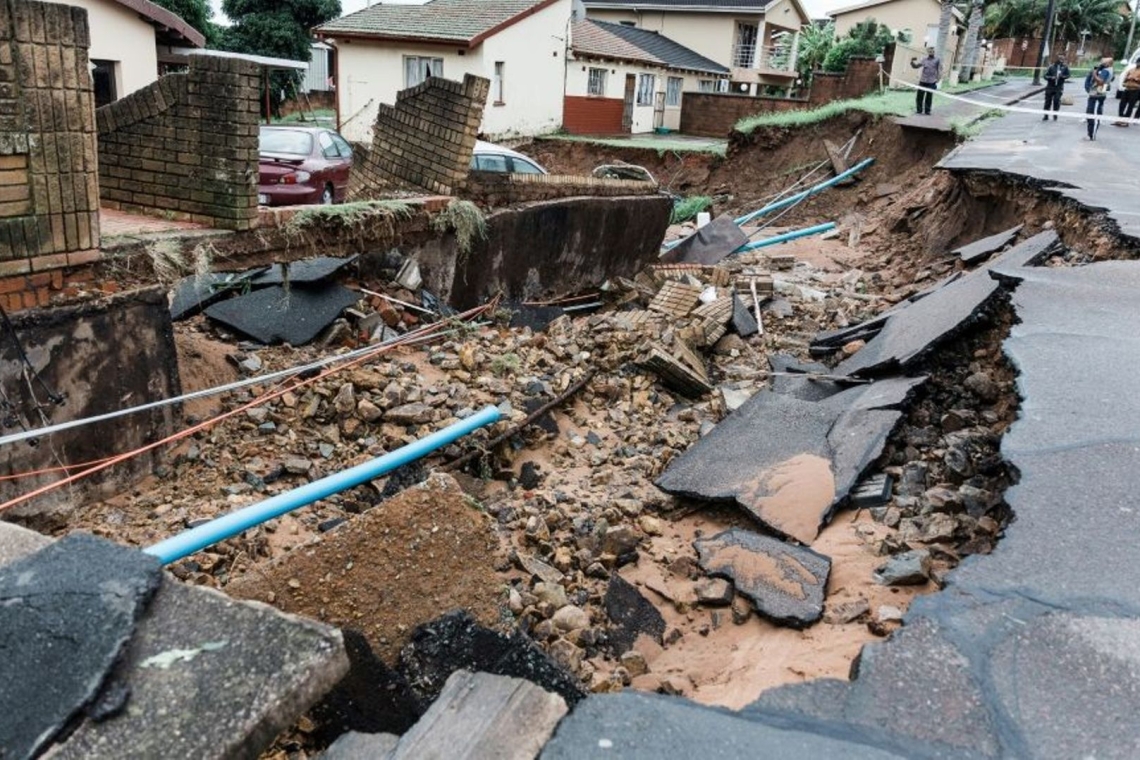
<point x="519" y="45"/>
<point x="625" y="79"/>
<point x="130" y="44"/>
<point x="918" y="18"/>
<point x="757" y="40"/>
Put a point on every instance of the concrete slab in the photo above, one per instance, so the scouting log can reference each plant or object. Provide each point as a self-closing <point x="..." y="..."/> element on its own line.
<point x="980" y="250"/>
<point x="708" y="245"/>
<point x="66" y="613"/>
<point x="792" y="378"/>
<point x="946" y="114"/>
<point x="785" y="583"/>
<point x="304" y="272"/>
<point x="209" y="677"/>
<point x="276" y="315"/>
<point x="789" y="462"/>
<point x="17" y="543"/>
<point x="926" y="323"/>
<point x="193" y="294"/>
<point x="634" y="726"/>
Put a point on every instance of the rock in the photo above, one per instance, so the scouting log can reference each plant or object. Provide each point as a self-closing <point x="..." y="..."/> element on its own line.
<point x="889" y="614"/>
<point x="913" y="479"/>
<point x="410" y="414"/>
<point x="848" y="612"/>
<point x="571" y="618"/>
<point x="941" y="499"/>
<point x="741" y="610"/>
<point x="651" y="526"/>
<point x="714" y="592"/>
<point x="529" y="476"/>
<point x="345" y="401"/>
<point x="938" y="528"/>
<point x="514" y="602"/>
<point x="983" y="386"/>
<point x="368" y="411"/>
<point x="620" y="540"/>
<point x="539" y="569"/>
<point x="785" y="583"/>
<point x="631" y="615"/>
<point x="734" y="398"/>
<point x="908" y="569"/>
<point x="850" y="349"/>
<point x="977" y="501"/>
<point x="567" y="655"/>
<point x="551" y="593"/>
<point x="297" y="466"/>
<point x="634" y="663"/>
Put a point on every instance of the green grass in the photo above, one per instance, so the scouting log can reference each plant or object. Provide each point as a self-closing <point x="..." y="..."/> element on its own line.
<point x="889" y="103"/>
<point x="317" y="115"/>
<point x="688" y="208"/>
<point x="662" y="145"/>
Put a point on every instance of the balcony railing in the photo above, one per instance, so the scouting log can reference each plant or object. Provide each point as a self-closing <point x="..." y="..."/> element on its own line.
<point x="771" y="58"/>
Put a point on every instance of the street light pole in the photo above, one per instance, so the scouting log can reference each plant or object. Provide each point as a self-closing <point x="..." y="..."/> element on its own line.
<point x="1131" y="31"/>
<point x="1043" y="51"/>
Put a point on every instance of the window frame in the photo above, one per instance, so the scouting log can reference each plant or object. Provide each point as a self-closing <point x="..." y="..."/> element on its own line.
<point x="605" y="75"/>
<point x="425" y="66"/>
<point x="514" y="160"/>
<point x="341" y="145"/>
<point x="497" y="88"/>
<point x="644" y="95"/>
<point x="670" y="101"/>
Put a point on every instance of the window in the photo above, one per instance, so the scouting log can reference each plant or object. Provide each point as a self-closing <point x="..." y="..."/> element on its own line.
<point x="342" y="145"/>
<point x="522" y="166"/>
<point x="706" y="85"/>
<point x="673" y="91"/>
<point x="597" y="83"/>
<point x="646" y="84"/>
<point x="328" y="147"/>
<point x="103" y="80"/>
<point x="497" y="85"/>
<point x="291" y="142"/>
<point x="490" y="162"/>
<point x="417" y="68"/>
<point x="744" y="50"/>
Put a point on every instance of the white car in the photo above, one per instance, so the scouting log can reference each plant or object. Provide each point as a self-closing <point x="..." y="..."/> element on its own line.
<point x="495" y="158"/>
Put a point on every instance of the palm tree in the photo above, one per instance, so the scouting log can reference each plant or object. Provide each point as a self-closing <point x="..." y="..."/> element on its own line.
<point x="1014" y="18"/>
<point x="1098" y="17"/>
<point x="945" y="18"/>
<point x="815" y="41"/>
<point x="973" y="35"/>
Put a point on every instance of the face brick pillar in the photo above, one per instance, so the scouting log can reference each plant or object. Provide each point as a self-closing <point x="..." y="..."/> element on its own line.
<point x="49" y="193"/>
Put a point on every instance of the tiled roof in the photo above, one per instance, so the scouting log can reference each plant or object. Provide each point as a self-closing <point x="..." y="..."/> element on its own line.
<point x="463" y="21"/>
<point x="164" y="19"/>
<point x="711" y="5"/>
<point x="606" y="40"/>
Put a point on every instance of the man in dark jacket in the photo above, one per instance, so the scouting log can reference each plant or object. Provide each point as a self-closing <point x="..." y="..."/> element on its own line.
<point x="928" y="80"/>
<point x="1055" y="78"/>
<point x="1097" y="85"/>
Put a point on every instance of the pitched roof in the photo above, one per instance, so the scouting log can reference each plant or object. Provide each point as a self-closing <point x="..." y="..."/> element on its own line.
<point x="466" y="22"/>
<point x="165" y="21"/>
<point x="872" y="3"/>
<point x="607" y="40"/>
<point x="725" y="6"/>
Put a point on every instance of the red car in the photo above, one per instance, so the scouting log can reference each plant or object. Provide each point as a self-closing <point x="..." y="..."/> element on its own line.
<point x="302" y="165"/>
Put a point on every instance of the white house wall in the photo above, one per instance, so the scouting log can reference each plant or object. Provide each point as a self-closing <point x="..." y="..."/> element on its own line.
<point x="119" y="35"/>
<point x="533" y="51"/>
<point x="578" y="78"/>
<point x="710" y="34"/>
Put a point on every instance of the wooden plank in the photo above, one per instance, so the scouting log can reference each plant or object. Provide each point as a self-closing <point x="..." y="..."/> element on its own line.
<point x="479" y="715"/>
<point x="838" y="162"/>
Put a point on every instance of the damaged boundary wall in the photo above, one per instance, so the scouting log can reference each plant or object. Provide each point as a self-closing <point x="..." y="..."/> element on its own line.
<point x="49" y="194"/>
<point x="74" y="369"/>
<point x="186" y="145"/>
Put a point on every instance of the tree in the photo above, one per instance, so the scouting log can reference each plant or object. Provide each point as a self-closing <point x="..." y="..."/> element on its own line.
<point x="945" y="18"/>
<point x="815" y="42"/>
<point x="1098" y="17"/>
<point x="867" y="38"/>
<point x="1014" y="18"/>
<point x="973" y="36"/>
<point x="196" y="13"/>
<point x="279" y="29"/>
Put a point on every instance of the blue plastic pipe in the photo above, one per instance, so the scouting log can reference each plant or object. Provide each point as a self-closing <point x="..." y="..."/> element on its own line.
<point x="196" y="539"/>
<point x="806" y="232"/>
<point x="793" y="199"/>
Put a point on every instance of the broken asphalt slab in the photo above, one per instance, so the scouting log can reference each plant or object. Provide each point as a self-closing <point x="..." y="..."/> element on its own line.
<point x="631" y="615"/>
<point x="278" y="315"/>
<point x="635" y="726"/>
<point x="924" y="324"/>
<point x="304" y="272"/>
<point x="66" y="613"/>
<point x="708" y="245"/>
<point x="785" y="583"/>
<point x="980" y="250"/>
<point x="193" y="294"/>
<point x="789" y="462"/>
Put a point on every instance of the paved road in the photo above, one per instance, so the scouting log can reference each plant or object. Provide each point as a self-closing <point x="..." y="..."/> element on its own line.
<point x="1034" y="650"/>
<point x="1104" y="174"/>
<point x="945" y="112"/>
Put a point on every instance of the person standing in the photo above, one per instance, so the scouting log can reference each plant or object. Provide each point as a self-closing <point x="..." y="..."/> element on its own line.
<point x="1129" y="96"/>
<point x="1055" y="78"/>
<point x="1096" y="85"/>
<point x="928" y="80"/>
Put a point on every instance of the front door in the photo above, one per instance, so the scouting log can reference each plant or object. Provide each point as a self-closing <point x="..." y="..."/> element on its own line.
<point x="627" y="108"/>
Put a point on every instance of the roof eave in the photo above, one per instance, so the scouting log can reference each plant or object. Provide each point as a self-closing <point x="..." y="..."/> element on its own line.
<point x="736" y="9"/>
<point x="333" y="34"/>
<point x="582" y="54"/>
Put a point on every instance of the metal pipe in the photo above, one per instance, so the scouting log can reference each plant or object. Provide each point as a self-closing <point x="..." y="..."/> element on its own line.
<point x="227" y="526"/>
<point x="793" y="235"/>
<point x="793" y="199"/>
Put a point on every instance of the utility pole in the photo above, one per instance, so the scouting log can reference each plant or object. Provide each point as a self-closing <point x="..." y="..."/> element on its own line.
<point x="1043" y="51"/>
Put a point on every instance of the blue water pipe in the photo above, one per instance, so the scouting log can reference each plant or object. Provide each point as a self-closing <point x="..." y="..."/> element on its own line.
<point x="794" y="234"/>
<point x="793" y="199"/>
<point x="227" y="526"/>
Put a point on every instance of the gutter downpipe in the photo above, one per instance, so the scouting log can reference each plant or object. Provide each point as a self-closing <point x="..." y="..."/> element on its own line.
<point x="795" y="234"/>
<point x="186" y="543"/>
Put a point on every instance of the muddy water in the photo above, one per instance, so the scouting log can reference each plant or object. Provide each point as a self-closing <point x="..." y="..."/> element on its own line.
<point x="793" y="496"/>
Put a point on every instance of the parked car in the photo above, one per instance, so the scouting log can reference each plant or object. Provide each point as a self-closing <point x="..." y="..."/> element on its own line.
<point x="302" y="165"/>
<point x="489" y="157"/>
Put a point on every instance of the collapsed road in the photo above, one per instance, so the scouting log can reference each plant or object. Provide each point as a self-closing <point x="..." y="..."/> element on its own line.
<point x="811" y="502"/>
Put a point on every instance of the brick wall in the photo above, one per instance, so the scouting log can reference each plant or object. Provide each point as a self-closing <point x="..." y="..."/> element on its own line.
<point x="715" y="114"/>
<point x="49" y="196"/>
<point x="186" y="146"/>
<point x="425" y="140"/>
<point x="496" y="189"/>
<point x="592" y="116"/>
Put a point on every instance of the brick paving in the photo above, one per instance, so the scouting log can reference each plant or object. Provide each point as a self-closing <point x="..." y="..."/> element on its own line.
<point x="114" y="223"/>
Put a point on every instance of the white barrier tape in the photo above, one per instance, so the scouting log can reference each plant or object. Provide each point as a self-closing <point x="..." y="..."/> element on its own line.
<point x="1015" y="109"/>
